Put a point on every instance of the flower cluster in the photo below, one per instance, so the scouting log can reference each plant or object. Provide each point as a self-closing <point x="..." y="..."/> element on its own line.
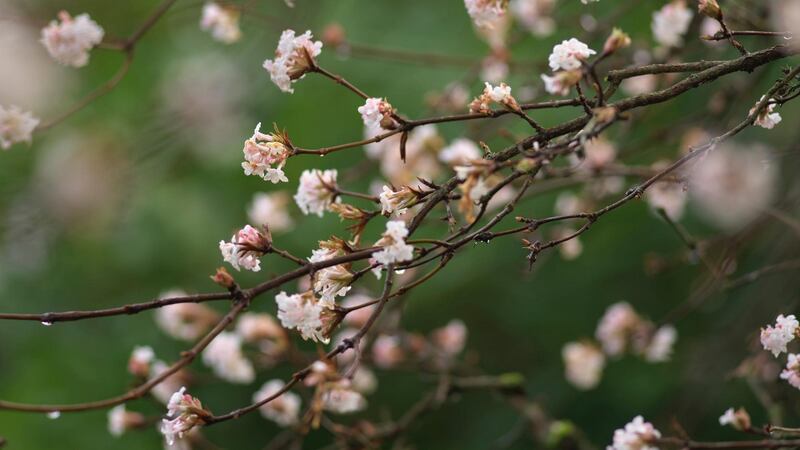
<point x="266" y="154"/>
<point x="493" y="94"/>
<point x="245" y="248"/>
<point x="294" y="57"/>
<point x="535" y="15"/>
<point x="775" y="339"/>
<point x="584" y="364"/>
<point x="566" y="61"/>
<point x="70" y="40"/>
<point x="184" y="412"/>
<point x="738" y="419"/>
<point x="637" y="435"/>
<point x="486" y="13"/>
<point x="671" y="22"/>
<point x="317" y="191"/>
<point x="394" y="248"/>
<point x="620" y="329"/>
<point x="398" y="201"/>
<point x="308" y="315"/>
<point x="222" y="21"/>
<point x="339" y="397"/>
<point x="377" y="112"/>
<point x="767" y="117"/>
<point x="16" y="126"/>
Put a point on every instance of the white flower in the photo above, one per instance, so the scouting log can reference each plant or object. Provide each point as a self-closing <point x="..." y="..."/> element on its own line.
<point x="498" y="94"/>
<point x="331" y="282"/>
<point x="120" y="420"/>
<point x="766" y="118"/>
<point x="184" y="321"/>
<point x="339" y="397"/>
<point x="451" y="338"/>
<point x="396" y="201"/>
<point x="16" y="125"/>
<point x="270" y="210"/>
<point x="660" y="346"/>
<point x="394" y="245"/>
<point x="637" y="435"/>
<point x="461" y="151"/>
<point x="245" y="249"/>
<point x="374" y="111"/>
<point x="293" y="58"/>
<point x="284" y="409"/>
<point x="615" y="327"/>
<point x="265" y="155"/>
<point x="69" y="41"/>
<point x="776" y="338"/>
<point x="223" y="22"/>
<point x="671" y="22"/>
<point x="535" y="15"/>
<point x="485" y="13"/>
<point x="493" y="94"/>
<point x="568" y="55"/>
<point x="185" y="412"/>
<point x="583" y="364"/>
<point x="139" y="362"/>
<point x="304" y="313"/>
<point x="224" y="356"/>
<point x="738" y="419"/>
<point x="317" y="190"/>
<point x="792" y="371"/>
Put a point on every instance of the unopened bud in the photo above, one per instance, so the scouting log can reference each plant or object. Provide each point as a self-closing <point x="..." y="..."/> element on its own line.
<point x="710" y="8"/>
<point x="223" y="278"/>
<point x="617" y="40"/>
<point x="333" y="35"/>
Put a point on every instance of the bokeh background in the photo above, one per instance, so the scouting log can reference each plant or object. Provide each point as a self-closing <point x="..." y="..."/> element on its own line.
<point x="129" y="198"/>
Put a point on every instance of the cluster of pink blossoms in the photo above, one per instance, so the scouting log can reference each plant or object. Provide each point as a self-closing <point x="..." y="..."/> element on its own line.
<point x="16" y="126"/>
<point x="222" y="22"/>
<point x="266" y="154"/>
<point x="245" y="248"/>
<point x="620" y="329"/>
<point x="486" y="13"/>
<point x="184" y="412"/>
<point x="377" y="112"/>
<point x="294" y="57"/>
<point x="493" y="94"/>
<point x="70" y="40"/>
<point x="636" y="435"/>
<point x="776" y="339"/>
<point x="566" y="61"/>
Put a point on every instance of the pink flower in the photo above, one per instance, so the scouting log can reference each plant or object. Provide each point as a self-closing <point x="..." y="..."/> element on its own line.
<point x="569" y="55"/>
<point x="69" y="41"/>
<point x="294" y="57"/>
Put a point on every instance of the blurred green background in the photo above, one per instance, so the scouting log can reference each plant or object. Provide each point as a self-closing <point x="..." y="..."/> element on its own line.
<point x="129" y="198"/>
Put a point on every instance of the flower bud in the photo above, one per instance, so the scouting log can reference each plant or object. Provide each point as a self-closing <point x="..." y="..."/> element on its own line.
<point x="223" y="278"/>
<point x="710" y="8"/>
<point x="617" y="40"/>
<point x="333" y="35"/>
